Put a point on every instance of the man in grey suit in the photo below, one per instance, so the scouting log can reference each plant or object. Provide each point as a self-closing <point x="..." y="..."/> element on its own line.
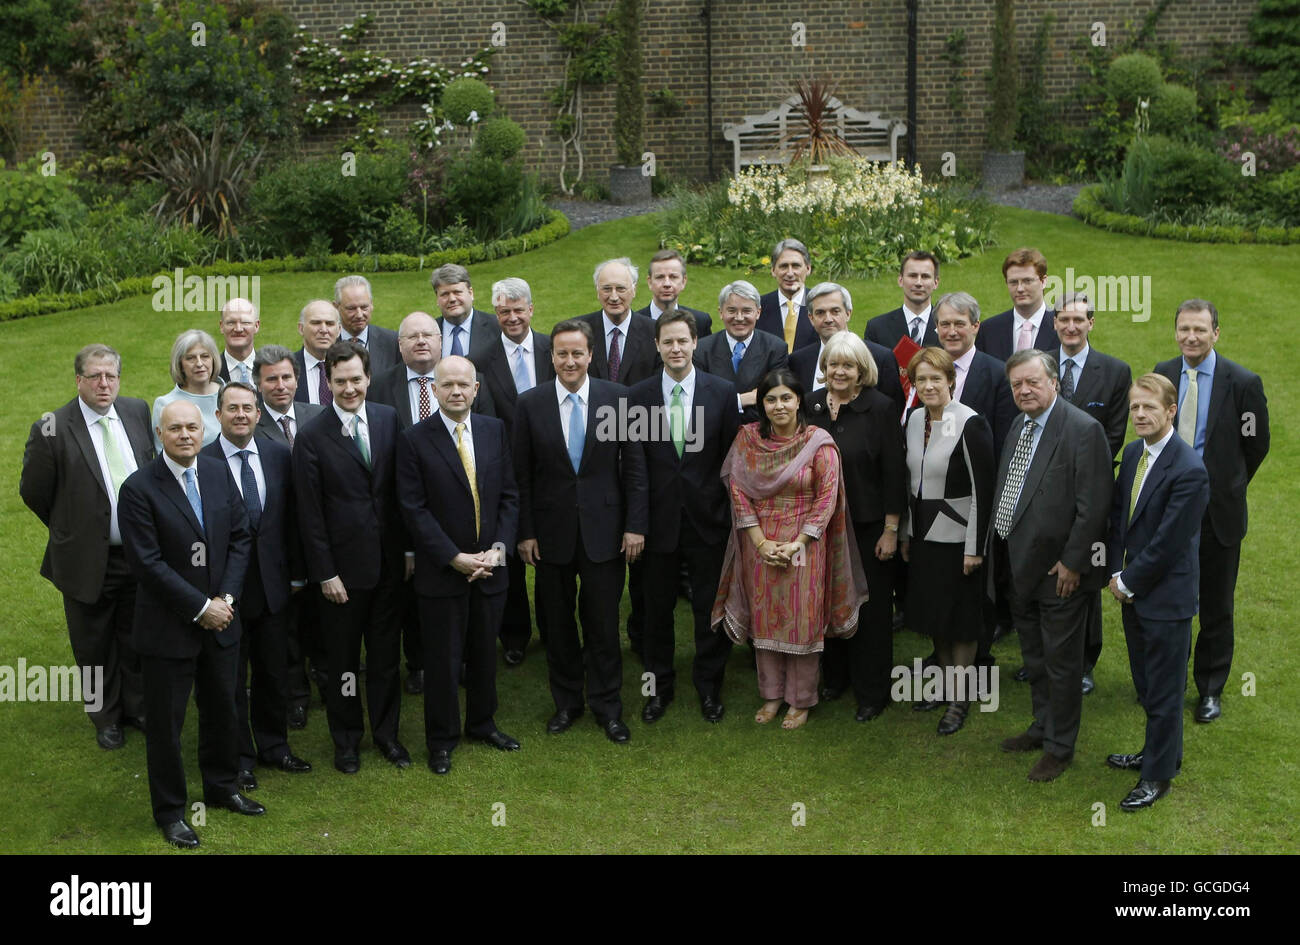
<point x="740" y="354"/>
<point x="466" y="331"/>
<point x="1051" y="507"/>
<point x="353" y="299"/>
<point x="77" y="458"/>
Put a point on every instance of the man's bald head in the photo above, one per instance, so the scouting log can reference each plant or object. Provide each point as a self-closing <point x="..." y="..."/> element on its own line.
<point x="455" y="387"/>
<point x="180" y="429"/>
<point x="319" y="325"/>
<point x="419" y="341"/>
<point x="238" y="325"/>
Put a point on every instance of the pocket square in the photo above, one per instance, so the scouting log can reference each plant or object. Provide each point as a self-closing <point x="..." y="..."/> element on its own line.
<point x="1096" y="403"/>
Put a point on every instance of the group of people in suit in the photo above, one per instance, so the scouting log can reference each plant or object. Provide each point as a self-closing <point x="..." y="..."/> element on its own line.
<point x="391" y="489"/>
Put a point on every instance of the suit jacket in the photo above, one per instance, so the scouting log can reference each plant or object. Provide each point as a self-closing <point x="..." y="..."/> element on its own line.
<point x="763" y="354"/>
<point x="1101" y="391"/>
<point x="804" y="364"/>
<point x="62" y="483"/>
<point x="435" y="497"/>
<point x="1231" y="457"/>
<point x="499" y="378"/>
<point x="870" y="441"/>
<point x="274" y="544"/>
<point x="484" y="330"/>
<point x="348" y="517"/>
<point x="638" y="356"/>
<point x="268" y="428"/>
<point x="689" y="485"/>
<point x="769" y="320"/>
<point x="703" y="320"/>
<point x="1156" y="550"/>
<point x="608" y="493"/>
<point x="180" y="564"/>
<point x="390" y="389"/>
<point x="994" y="336"/>
<point x="889" y="329"/>
<point x="1064" y="504"/>
<point x="382" y="344"/>
<point x="301" y="396"/>
<point x="989" y="395"/>
<point x="224" y="373"/>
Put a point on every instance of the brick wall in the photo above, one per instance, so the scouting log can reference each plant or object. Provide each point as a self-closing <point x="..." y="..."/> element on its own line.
<point x="860" y="44"/>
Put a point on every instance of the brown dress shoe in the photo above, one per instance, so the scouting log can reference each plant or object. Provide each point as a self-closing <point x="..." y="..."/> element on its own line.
<point x="1048" y="768"/>
<point x="1022" y="742"/>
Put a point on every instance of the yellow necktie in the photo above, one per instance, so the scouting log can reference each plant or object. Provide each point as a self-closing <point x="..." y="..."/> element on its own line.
<point x="467" y="460"/>
<point x="791" y="323"/>
<point x="1138" y="475"/>
<point x="1187" y="418"/>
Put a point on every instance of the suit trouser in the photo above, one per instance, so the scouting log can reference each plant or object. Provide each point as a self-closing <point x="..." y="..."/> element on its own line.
<point x="167" y="684"/>
<point x="456" y="630"/>
<point x="1157" y="657"/>
<point x="599" y="651"/>
<point x="662" y="577"/>
<point x="636" y="620"/>
<point x="1213" y="658"/>
<point x="517" y="621"/>
<point x="1053" y="631"/>
<point x="412" y="642"/>
<point x="100" y="634"/>
<point x="865" y="660"/>
<point x="370" y="615"/>
<point x="264" y="715"/>
<point x="1092" y="648"/>
<point x="304" y="642"/>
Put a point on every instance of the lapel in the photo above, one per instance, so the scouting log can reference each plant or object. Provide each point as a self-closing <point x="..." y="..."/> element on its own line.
<point x="501" y="371"/>
<point x="1047" y="443"/>
<point x="589" y="439"/>
<point x="1046" y="338"/>
<point x="1218" y="396"/>
<point x="140" y="438"/>
<point x="334" y="430"/>
<point x="170" y="488"/>
<point x="1155" y="475"/>
<point x="445" y="445"/>
<point x="1088" y="381"/>
<point x="719" y="359"/>
<point x="974" y="382"/>
<point x="269" y="429"/>
<point x="551" y="420"/>
<point x="76" y="425"/>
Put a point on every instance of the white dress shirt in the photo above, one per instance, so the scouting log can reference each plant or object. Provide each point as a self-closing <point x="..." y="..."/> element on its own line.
<point x="566" y="408"/>
<point x="124" y="450"/>
<point x="346" y="419"/>
<point x="232" y="362"/>
<point x="1018" y="325"/>
<point x="962" y="365"/>
<point x="1153" y="453"/>
<point x="413" y="392"/>
<point x="236" y="464"/>
<point x="315" y="371"/>
<point x="527" y="345"/>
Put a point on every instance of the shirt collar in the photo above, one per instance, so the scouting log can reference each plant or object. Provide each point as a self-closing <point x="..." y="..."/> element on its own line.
<point x="412" y="374"/>
<point x="1036" y="318"/>
<point x="364" y="337"/>
<point x="964" y="362"/>
<point x="732" y="341"/>
<point x="1159" y="447"/>
<point x="92" y="418"/>
<point x="909" y="315"/>
<point x="450" y="424"/>
<point x="1206" y="366"/>
<point x="310" y="360"/>
<point x="1079" y="359"/>
<point x="610" y="326"/>
<point x="526" y="344"/>
<point x="231" y="361"/>
<point x="177" y="470"/>
<point x="1041" y="419"/>
<point x="562" y="392"/>
<point x="346" y="418"/>
<point x="688" y="385"/>
<point x="275" y="415"/>
<point x="230" y="449"/>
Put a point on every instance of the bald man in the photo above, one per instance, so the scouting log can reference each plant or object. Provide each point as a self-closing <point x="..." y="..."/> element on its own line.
<point x="238" y="325"/>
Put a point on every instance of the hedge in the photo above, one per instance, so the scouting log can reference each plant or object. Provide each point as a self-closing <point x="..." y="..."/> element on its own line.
<point x="1088" y="207"/>
<point x="556" y="226"/>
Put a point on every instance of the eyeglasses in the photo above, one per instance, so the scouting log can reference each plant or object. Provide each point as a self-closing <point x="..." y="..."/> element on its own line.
<point x="103" y="377"/>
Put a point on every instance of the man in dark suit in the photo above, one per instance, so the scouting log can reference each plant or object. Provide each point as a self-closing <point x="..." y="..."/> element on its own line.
<point x="458" y="489"/>
<point x="521" y="361"/>
<point x="1098" y="385"/>
<point x="1029" y="323"/>
<point x="185" y="534"/>
<point x="275" y="371"/>
<point x="1050" y="507"/>
<point x="625" y="342"/>
<point x="355" y="303"/>
<point x="740" y="354"/>
<point x="466" y="331"/>
<point x="319" y="326"/>
<point x="77" y="458"/>
<point x="262" y="471"/>
<point x="407" y="387"/>
<point x="239" y="325"/>
<point x="666" y="278"/>
<point x="1223" y="416"/>
<point x="918" y="277"/>
<point x="981" y="378"/>
<point x="567" y="460"/>
<point x="692" y="510"/>
<point x="354" y="543"/>
<point x="830" y="306"/>
<point x="783" y="312"/>
<point x="1161" y="495"/>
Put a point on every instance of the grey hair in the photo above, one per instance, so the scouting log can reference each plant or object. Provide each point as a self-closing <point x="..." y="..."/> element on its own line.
<point x="511" y="288"/>
<point x="963" y="302"/>
<point x="272" y="354"/>
<point x="741" y="288"/>
<point x="347" y="282"/>
<point x="622" y="261"/>
<point x="826" y="288"/>
<point x="96" y="351"/>
<point x="1033" y="354"/>
<point x="184" y="342"/>
<point x="794" y="244"/>
<point x="845" y="345"/>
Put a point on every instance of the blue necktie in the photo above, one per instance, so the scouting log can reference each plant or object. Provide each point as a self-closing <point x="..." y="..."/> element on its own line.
<point x="192" y="493"/>
<point x="456" y="348"/>
<point x="248" y="483"/>
<point x="577" y="433"/>
<point x="243" y="373"/>
<point x="522" y="383"/>
<point x="736" y="355"/>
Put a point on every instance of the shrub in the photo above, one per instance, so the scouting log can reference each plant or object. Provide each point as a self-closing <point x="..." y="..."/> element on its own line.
<point x="1173" y="112"/>
<point x="30" y="200"/>
<point x="1160" y="172"/>
<point x="1273" y="152"/>
<point x="500" y="137"/>
<point x="1133" y="76"/>
<point x="465" y="95"/>
<point x="481" y="189"/>
<point x="1282" y="195"/>
<point x="204" y="181"/>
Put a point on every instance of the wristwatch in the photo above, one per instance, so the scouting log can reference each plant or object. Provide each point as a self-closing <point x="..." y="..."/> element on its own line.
<point x="229" y="599"/>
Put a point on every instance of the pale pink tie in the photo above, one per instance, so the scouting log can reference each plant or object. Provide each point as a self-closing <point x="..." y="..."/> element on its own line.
<point x="1026" y="339"/>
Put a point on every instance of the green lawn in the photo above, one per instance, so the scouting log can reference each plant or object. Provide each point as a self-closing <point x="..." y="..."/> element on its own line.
<point x="683" y="785"/>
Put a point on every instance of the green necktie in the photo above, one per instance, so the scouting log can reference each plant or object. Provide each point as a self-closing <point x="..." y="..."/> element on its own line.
<point x="1138" y="476"/>
<point x="116" y="468"/>
<point x="360" y="440"/>
<point x="677" y="421"/>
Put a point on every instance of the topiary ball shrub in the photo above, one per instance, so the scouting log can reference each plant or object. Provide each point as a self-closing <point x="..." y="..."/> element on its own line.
<point x="1173" y="111"/>
<point x="466" y="95"/>
<point x="501" y="137"/>
<point x="1133" y="76"/>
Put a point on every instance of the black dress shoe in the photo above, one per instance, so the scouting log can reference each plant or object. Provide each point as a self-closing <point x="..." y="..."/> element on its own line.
<point x="136" y="723"/>
<point x="1022" y="674"/>
<point x="926" y="705"/>
<point x="498" y="740"/>
<point x="654" y="709"/>
<point x="110" y="738"/>
<point x="1001" y="630"/>
<point x="616" y="731"/>
<point x="290" y="763"/>
<point x="1088" y="684"/>
<point x="179" y="834"/>
<point x="514" y="657"/>
<point x="1125" y="762"/>
<point x="245" y="780"/>
<point x="1145" y="794"/>
<point x="1208" y="708"/>
<point x="954" y="718"/>
<point x="866" y="713"/>
<point x="562" y="721"/>
<point x="395" y="753"/>
<point x="235" y="802"/>
<point x="440" y="762"/>
<point x="298" y="716"/>
<point x="712" y="709"/>
<point x="414" y="682"/>
<point x="831" y="693"/>
<point x="349" y="762"/>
